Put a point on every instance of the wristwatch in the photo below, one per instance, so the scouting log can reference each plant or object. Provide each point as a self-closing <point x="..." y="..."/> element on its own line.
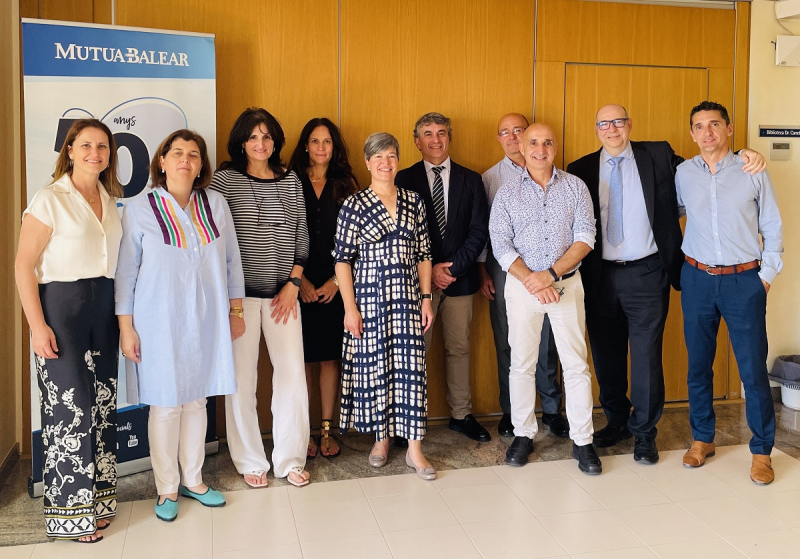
<point x="296" y="282"/>
<point x="426" y="296"/>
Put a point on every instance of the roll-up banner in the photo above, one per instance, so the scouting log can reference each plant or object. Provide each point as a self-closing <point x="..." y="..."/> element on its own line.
<point x="143" y="84"/>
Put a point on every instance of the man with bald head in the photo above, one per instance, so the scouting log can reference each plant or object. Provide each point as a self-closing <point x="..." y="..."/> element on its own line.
<point x="541" y="227"/>
<point x="493" y="283"/>
<point x="627" y="276"/>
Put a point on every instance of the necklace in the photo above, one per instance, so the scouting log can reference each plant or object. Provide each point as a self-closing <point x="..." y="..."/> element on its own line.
<point x="318" y="180"/>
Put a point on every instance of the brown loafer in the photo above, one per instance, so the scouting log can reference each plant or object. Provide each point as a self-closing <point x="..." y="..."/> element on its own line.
<point x="761" y="471"/>
<point x="696" y="456"/>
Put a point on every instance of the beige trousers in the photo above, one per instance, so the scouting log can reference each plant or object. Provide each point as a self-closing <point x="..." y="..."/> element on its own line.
<point x="455" y="314"/>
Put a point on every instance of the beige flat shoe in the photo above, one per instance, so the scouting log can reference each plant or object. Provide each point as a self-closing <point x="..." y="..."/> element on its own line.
<point x="428" y="474"/>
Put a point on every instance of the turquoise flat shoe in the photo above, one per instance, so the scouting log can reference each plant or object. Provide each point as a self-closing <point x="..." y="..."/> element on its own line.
<point x="211" y="498"/>
<point x="168" y="510"/>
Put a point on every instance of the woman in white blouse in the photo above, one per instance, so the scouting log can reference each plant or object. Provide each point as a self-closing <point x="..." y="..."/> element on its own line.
<point x="65" y="269"/>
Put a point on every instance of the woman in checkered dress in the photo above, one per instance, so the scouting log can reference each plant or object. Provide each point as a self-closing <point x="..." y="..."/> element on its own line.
<point x="383" y="265"/>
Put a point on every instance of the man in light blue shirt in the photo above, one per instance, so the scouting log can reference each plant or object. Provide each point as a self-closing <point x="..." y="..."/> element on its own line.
<point x="727" y="273"/>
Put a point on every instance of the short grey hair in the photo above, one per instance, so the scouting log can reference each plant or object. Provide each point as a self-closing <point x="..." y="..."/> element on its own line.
<point x="380" y="141"/>
<point x="433" y="118"/>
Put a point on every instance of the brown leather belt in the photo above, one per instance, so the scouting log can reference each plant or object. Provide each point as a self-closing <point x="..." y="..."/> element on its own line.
<point x="723" y="270"/>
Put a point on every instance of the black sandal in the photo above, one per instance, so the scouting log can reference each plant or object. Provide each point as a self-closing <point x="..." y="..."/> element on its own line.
<point x="324" y="439"/>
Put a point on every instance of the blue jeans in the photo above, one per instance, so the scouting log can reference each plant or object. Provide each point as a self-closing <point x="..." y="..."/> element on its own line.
<point x="742" y="301"/>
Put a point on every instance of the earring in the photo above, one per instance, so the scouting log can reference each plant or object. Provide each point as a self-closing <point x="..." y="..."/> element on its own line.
<point x="70" y="162"/>
<point x="162" y="171"/>
<point x="306" y="150"/>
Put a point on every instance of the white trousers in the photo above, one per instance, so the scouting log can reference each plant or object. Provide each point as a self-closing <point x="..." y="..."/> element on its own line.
<point x="568" y="322"/>
<point x="177" y="438"/>
<point x="290" y="424"/>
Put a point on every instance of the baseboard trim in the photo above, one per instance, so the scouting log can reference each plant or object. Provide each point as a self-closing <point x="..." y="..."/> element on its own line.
<point x="9" y="462"/>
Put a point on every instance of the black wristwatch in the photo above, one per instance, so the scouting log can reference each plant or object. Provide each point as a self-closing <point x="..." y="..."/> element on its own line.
<point x="426" y="296"/>
<point x="297" y="282"/>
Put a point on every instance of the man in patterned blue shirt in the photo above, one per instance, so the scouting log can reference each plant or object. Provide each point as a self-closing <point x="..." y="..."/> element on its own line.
<point x="493" y="286"/>
<point x="541" y="226"/>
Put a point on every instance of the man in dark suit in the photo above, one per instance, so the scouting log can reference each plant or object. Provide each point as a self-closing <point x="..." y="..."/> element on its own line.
<point x="458" y="221"/>
<point x="627" y="277"/>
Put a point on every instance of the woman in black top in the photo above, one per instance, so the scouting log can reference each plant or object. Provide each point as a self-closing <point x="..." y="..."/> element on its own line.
<point x="320" y="160"/>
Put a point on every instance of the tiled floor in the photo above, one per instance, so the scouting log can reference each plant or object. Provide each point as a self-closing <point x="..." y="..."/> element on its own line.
<point x="546" y="509"/>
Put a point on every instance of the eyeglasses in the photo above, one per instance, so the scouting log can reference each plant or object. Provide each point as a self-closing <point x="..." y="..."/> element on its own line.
<point x="618" y="123"/>
<point x="516" y="131"/>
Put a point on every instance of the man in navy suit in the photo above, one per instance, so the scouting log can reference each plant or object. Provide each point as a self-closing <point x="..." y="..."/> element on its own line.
<point x="458" y="221"/>
<point x="627" y="277"/>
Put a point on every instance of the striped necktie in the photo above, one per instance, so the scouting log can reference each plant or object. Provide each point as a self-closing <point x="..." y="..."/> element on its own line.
<point x="438" y="199"/>
<point x="614" y="225"/>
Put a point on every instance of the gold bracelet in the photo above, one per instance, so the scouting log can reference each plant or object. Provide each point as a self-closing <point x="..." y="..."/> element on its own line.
<point x="238" y="312"/>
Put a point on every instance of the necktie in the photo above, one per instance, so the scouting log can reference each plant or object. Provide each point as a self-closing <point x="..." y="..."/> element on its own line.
<point x="438" y="199"/>
<point x="614" y="225"/>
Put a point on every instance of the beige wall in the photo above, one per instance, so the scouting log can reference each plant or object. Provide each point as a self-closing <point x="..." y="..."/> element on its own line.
<point x="774" y="100"/>
<point x="10" y="346"/>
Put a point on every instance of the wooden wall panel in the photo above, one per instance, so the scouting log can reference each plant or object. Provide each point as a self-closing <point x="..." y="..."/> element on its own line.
<point x="269" y="54"/>
<point x="475" y="66"/>
<point x="640" y="89"/>
<point x="67" y="10"/>
<point x="641" y="34"/>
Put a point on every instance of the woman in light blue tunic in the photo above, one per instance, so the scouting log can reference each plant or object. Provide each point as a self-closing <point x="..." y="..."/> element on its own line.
<point x="178" y="298"/>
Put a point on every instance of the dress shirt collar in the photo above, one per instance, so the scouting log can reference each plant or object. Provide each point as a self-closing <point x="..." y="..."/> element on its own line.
<point x="526" y="177"/>
<point x="64" y="184"/>
<point x="627" y="153"/>
<point x="511" y="165"/>
<point x="723" y="163"/>
<point x="429" y="165"/>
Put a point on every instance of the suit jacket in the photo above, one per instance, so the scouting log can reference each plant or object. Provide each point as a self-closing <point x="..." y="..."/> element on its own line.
<point x="467" y="223"/>
<point x="657" y="163"/>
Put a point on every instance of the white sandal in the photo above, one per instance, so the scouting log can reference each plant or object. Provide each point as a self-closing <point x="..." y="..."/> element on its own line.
<point x="259" y="474"/>
<point x="299" y="471"/>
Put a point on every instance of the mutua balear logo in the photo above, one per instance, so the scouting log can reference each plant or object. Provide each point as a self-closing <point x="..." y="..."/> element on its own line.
<point x="128" y="56"/>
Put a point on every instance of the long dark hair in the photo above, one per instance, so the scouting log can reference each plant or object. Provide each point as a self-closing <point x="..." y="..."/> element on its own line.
<point x="240" y="133"/>
<point x="339" y="173"/>
<point x="108" y="177"/>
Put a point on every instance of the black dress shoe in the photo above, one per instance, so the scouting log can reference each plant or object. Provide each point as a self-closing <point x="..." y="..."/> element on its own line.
<point x="611" y="435"/>
<point x="558" y="425"/>
<point x="645" y="451"/>
<point x="517" y="453"/>
<point x="400" y="442"/>
<point x="588" y="460"/>
<point x="470" y="427"/>
<point x="505" y="427"/>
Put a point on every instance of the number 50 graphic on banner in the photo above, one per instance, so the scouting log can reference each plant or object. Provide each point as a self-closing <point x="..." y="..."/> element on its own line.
<point x="139" y="126"/>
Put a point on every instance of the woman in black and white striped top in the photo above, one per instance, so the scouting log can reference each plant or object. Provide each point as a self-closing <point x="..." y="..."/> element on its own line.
<point x="268" y="210"/>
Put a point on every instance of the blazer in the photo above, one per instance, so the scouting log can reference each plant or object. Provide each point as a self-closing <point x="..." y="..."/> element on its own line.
<point x="467" y="223"/>
<point x="657" y="163"/>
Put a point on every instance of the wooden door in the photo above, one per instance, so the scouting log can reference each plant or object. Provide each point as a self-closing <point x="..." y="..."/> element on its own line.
<point x="658" y="100"/>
